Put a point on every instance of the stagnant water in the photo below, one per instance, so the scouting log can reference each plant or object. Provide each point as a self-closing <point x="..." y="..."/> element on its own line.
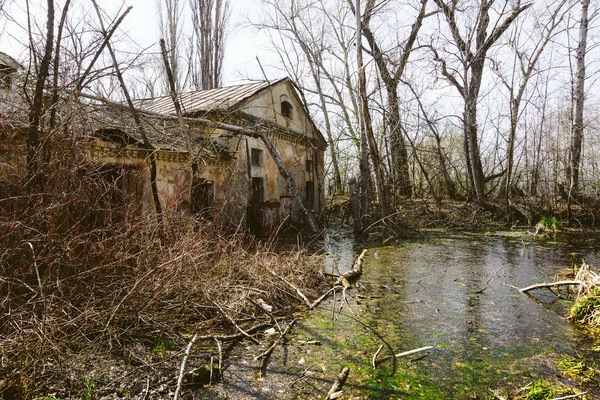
<point x="453" y="292"/>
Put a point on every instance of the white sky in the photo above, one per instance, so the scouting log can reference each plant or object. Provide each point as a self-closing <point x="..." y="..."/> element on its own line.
<point x="243" y="43"/>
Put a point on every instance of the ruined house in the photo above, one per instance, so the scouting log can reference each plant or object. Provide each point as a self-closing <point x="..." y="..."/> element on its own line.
<point x="230" y="175"/>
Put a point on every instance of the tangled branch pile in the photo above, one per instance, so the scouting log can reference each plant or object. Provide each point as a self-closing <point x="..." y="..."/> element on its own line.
<point x="586" y="309"/>
<point x="85" y="277"/>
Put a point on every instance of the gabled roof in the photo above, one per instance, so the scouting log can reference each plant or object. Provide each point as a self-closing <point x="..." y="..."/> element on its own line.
<point x="220" y="99"/>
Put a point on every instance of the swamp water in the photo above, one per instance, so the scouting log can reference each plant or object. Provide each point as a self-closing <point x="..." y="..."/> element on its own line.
<point x="450" y="292"/>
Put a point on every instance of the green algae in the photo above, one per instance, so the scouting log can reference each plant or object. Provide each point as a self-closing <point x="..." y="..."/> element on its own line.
<point x="452" y="293"/>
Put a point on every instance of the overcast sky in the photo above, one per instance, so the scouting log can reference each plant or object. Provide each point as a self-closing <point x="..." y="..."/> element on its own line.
<point x="243" y="43"/>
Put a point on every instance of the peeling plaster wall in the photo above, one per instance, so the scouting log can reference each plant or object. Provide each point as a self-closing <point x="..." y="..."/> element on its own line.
<point x="267" y="105"/>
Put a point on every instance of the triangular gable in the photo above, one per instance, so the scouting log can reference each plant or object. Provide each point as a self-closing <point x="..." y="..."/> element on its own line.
<point x="262" y="103"/>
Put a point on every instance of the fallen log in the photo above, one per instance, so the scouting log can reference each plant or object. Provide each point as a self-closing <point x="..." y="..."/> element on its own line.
<point x="550" y="285"/>
<point x="335" y="390"/>
<point x="346" y="279"/>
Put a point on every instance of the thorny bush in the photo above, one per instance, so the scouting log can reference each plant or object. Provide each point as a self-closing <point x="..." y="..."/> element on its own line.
<point x="84" y="273"/>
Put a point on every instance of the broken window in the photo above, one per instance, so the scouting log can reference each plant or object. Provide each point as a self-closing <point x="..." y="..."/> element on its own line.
<point x="310" y="194"/>
<point x="203" y="194"/>
<point x="257" y="157"/>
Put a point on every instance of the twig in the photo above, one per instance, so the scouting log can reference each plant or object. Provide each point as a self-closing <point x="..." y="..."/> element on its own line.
<point x="234" y="323"/>
<point x="408" y="353"/>
<point x="220" y="354"/>
<point x="374" y="361"/>
<point x="268" y="352"/>
<point x="182" y="369"/>
<point x="147" y="390"/>
<point x="552" y="284"/>
<point x="302" y="376"/>
<point x="497" y="396"/>
<point x="572" y="396"/>
<point x="290" y="284"/>
<point x="320" y="299"/>
<point x="235" y="336"/>
<point x="334" y="392"/>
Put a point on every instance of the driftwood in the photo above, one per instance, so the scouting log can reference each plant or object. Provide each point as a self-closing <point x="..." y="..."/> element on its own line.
<point x="346" y="279"/>
<point x="407" y="353"/>
<point x="335" y="390"/>
<point x="550" y="285"/>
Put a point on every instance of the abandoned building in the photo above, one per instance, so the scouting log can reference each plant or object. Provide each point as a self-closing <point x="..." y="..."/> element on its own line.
<point x="207" y="170"/>
<point x="231" y="175"/>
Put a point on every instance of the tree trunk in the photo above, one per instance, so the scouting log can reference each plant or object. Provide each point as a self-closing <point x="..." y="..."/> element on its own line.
<point x="365" y="175"/>
<point x="577" y="128"/>
<point x="35" y="112"/>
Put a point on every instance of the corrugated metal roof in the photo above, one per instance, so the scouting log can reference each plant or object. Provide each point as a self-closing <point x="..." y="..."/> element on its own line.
<point x="220" y="99"/>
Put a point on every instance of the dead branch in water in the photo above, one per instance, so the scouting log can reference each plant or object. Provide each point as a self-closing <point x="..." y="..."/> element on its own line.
<point x="346" y="279"/>
<point x="407" y="353"/>
<point x="335" y="390"/>
<point x="550" y="285"/>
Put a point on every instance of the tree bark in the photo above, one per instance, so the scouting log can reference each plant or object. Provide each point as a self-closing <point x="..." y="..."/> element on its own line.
<point x="35" y="112"/>
<point x="577" y="128"/>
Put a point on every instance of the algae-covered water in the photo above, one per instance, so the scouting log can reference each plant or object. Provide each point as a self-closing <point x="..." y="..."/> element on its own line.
<point x="455" y="293"/>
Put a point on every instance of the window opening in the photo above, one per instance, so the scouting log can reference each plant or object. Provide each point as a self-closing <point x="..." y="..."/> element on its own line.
<point x="202" y="196"/>
<point x="287" y="109"/>
<point x="309" y="166"/>
<point x="310" y="194"/>
<point x="257" y="157"/>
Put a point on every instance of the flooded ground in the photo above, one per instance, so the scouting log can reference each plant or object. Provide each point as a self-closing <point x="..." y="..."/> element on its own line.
<point x="452" y="292"/>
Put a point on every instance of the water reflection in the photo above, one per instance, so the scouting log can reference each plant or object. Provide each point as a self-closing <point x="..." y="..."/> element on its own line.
<point x="456" y="294"/>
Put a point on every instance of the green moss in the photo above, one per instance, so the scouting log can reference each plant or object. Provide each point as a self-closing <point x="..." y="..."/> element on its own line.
<point x="577" y="368"/>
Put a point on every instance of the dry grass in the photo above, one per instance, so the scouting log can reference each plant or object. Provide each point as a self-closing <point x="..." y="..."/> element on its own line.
<point x="89" y="287"/>
<point x="586" y="309"/>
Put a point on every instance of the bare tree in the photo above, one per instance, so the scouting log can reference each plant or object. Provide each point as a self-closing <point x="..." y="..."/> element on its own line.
<point x="207" y="43"/>
<point x="391" y="72"/>
<point x="36" y="107"/>
<point x="577" y="127"/>
<point x="526" y="63"/>
<point x="169" y="18"/>
<point x="473" y="47"/>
